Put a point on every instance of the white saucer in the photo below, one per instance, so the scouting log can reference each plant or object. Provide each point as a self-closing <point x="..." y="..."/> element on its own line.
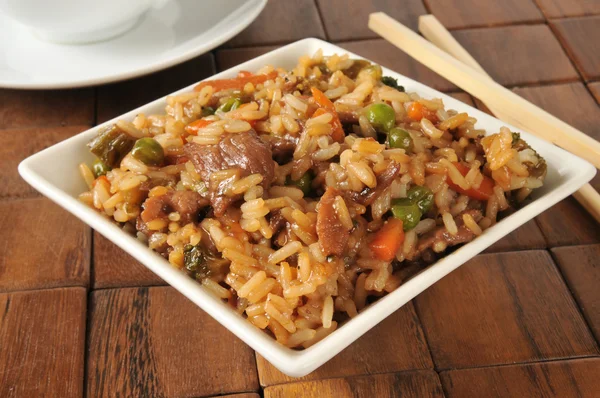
<point x="176" y="32"/>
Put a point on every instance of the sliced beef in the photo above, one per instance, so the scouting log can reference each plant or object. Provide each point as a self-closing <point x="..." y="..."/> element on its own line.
<point x="244" y="151"/>
<point x="283" y="148"/>
<point x="464" y="234"/>
<point x="384" y="180"/>
<point x="277" y="222"/>
<point x="333" y="236"/>
<point x="348" y="117"/>
<point x="186" y="203"/>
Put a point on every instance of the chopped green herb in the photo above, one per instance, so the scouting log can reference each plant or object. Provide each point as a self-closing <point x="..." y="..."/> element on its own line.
<point x="391" y="82"/>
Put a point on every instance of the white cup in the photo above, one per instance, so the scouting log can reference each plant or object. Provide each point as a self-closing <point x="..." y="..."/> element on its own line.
<point x="77" y="21"/>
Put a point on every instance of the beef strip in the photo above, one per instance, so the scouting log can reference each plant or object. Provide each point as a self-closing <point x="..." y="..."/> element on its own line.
<point x="333" y="236"/>
<point x="348" y="117"/>
<point x="384" y="180"/>
<point x="277" y="222"/>
<point x="244" y="151"/>
<point x="186" y="203"/>
<point x="464" y="234"/>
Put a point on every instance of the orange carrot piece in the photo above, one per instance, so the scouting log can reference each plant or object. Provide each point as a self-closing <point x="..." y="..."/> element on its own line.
<point x="236" y="83"/>
<point x="196" y="125"/>
<point x="485" y="190"/>
<point x="244" y="73"/>
<point x="388" y="240"/>
<point x="417" y="111"/>
<point x="326" y="104"/>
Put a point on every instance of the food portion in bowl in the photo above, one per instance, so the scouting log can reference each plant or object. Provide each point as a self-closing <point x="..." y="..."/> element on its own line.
<point x="301" y="196"/>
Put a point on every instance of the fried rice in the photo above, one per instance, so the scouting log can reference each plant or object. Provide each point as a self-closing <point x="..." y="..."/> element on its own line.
<point x="300" y="196"/>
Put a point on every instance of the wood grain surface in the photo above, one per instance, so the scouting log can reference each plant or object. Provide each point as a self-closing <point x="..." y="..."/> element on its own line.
<point x="113" y="267"/>
<point x="568" y="8"/>
<point x="580" y="266"/>
<point x="500" y="309"/>
<point x="17" y="144"/>
<point x="578" y="36"/>
<point x="458" y="14"/>
<point x="573" y="378"/>
<point x="278" y="23"/>
<point x="396" y="344"/>
<point x="42" y="335"/>
<point x="523" y="54"/>
<point x="406" y="385"/>
<point x="347" y="20"/>
<point x="43" y="246"/>
<point x="155" y="342"/>
<point x="24" y="109"/>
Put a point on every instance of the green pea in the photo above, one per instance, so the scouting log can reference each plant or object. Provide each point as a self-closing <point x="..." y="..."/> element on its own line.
<point x="99" y="168"/>
<point x="399" y="138"/>
<point x="422" y="196"/>
<point x="374" y="71"/>
<point x="304" y="183"/>
<point x="148" y="151"/>
<point x="207" y="111"/>
<point x="230" y="105"/>
<point x="407" y="211"/>
<point x="381" y="116"/>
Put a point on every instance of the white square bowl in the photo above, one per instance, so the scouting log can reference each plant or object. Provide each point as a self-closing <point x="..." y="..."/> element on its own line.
<point x="55" y="174"/>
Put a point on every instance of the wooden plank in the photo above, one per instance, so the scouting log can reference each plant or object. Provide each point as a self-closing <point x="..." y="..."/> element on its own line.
<point x="48" y="108"/>
<point x="347" y="20"/>
<point x="568" y="8"/>
<point x="155" y="342"/>
<point x="115" y="268"/>
<point x="42" y="338"/>
<point x="118" y="98"/>
<point x="573" y="378"/>
<point x="395" y="344"/>
<point x="501" y="309"/>
<point x="460" y="14"/>
<point x="21" y="143"/>
<point x="577" y="36"/>
<point x="228" y="58"/>
<point x="515" y="55"/>
<point x="386" y="54"/>
<point x="405" y="385"/>
<point x="281" y="22"/>
<point x="595" y="90"/>
<point x="567" y="223"/>
<point x="526" y="237"/>
<point x="43" y="246"/>
<point x="581" y="269"/>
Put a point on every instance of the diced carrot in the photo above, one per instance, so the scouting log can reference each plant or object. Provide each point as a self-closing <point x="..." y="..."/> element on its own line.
<point x="322" y="99"/>
<point x="244" y="74"/>
<point x="417" y="111"/>
<point x="325" y="103"/>
<point x="196" y="125"/>
<point x="236" y="83"/>
<point x="102" y="178"/>
<point x="388" y="240"/>
<point x="485" y="190"/>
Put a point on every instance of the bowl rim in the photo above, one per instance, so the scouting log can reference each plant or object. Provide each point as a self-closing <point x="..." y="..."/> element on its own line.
<point x="575" y="171"/>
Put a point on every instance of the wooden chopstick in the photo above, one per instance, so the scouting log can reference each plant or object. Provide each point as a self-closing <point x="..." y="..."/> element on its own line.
<point x="436" y="33"/>
<point x="533" y="118"/>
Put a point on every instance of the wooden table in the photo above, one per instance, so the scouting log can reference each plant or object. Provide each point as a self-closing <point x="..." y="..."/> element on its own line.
<point x="78" y="317"/>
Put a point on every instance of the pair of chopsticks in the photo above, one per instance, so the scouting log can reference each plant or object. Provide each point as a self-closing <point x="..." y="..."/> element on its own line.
<point x="454" y="63"/>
